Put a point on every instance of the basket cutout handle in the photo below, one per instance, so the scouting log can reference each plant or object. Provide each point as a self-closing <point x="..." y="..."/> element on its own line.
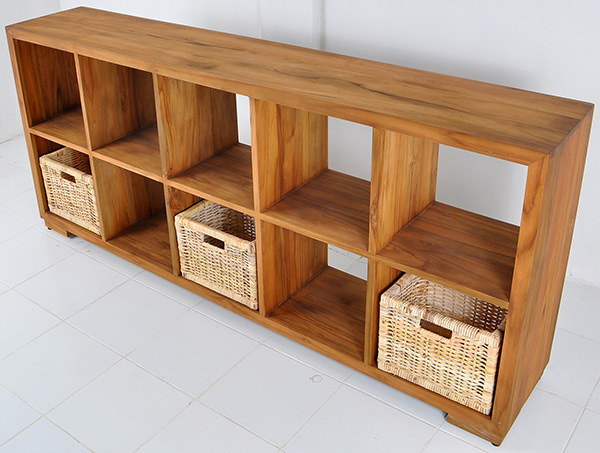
<point x="67" y="177"/>
<point x="214" y="242"/>
<point x="434" y="331"/>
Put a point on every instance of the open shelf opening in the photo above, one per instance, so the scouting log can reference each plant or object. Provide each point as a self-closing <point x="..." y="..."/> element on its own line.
<point x="298" y="189"/>
<point x="202" y="149"/>
<point x="133" y="214"/>
<point x="51" y="93"/>
<point x="121" y="113"/>
<point x="312" y="298"/>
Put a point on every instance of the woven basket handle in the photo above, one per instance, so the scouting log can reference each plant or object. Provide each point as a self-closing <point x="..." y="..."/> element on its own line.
<point x="434" y="332"/>
<point x="67" y="177"/>
<point x="213" y="242"/>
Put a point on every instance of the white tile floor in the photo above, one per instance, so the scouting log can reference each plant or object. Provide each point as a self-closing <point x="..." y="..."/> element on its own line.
<point x="97" y="354"/>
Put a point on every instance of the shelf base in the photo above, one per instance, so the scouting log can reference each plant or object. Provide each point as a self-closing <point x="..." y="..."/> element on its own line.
<point x="66" y="129"/>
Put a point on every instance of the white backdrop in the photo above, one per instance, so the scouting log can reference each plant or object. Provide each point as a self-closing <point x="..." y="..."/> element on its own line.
<point x="549" y="46"/>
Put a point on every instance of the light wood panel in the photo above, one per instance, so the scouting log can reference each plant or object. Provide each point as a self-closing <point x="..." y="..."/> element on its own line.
<point x="196" y="123"/>
<point x="289" y="147"/>
<point x="118" y="100"/>
<point x="138" y="153"/>
<point x="124" y="198"/>
<point x="66" y="128"/>
<point x="549" y="210"/>
<point x="177" y="201"/>
<point x="48" y="79"/>
<point x="225" y="178"/>
<point x="380" y="278"/>
<point x="286" y="261"/>
<point x="505" y="122"/>
<point x="148" y="239"/>
<point x="330" y="310"/>
<point x="332" y="207"/>
<point x="457" y="248"/>
<point x="404" y="180"/>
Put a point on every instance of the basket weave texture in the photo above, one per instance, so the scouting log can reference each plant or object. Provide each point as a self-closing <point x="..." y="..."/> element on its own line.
<point x="70" y="187"/>
<point x="417" y="317"/>
<point x="217" y="249"/>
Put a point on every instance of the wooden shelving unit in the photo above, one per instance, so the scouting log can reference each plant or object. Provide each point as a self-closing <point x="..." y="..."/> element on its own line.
<point x="153" y="106"/>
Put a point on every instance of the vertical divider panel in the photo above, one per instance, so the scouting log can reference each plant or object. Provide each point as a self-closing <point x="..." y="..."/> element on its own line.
<point x="287" y="261"/>
<point x="380" y="277"/>
<point x="86" y="125"/>
<point x="48" y="78"/>
<point x="124" y="198"/>
<point x="119" y="100"/>
<point x="176" y="201"/>
<point x="403" y="183"/>
<point x="289" y="147"/>
<point x="195" y="123"/>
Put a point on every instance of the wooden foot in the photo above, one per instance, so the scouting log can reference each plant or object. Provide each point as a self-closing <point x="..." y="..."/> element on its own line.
<point x="58" y="229"/>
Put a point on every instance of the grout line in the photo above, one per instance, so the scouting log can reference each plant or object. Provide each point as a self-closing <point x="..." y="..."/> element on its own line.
<point x="23" y="346"/>
<point x="162" y="428"/>
<point x="430" y="439"/>
<point x="67" y="433"/>
<point x="312" y="415"/>
<point x="577" y="334"/>
<point x="238" y="424"/>
<point x="17" y="434"/>
<point x="581" y="415"/>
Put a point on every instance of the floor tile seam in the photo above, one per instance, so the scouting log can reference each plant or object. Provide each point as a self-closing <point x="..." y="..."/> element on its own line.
<point x="68" y="433"/>
<point x="13" y="138"/>
<point x="164" y="293"/>
<point x="456" y="436"/>
<point x="15" y="394"/>
<point x="578" y="334"/>
<point x="387" y="403"/>
<point x="44" y="269"/>
<point x="573" y="430"/>
<point x="310" y="417"/>
<point x="297" y="359"/>
<point x="68" y="318"/>
<point x="549" y="392"/>
<point x="205" y="391"/>
<point x="12" y="216"/>
<point x="239" y="424"/>
<point x="224" y="323"/>
<point x="27" y="187"/>
<point x="48" y="413"/>
<point x="21" y="431"/>
<point x="109" y="265"/>
<point x="13" y="236"/>
<point x="60" y="321"/>
<point x="429" y="440"/>
<point x="163" y="427"/>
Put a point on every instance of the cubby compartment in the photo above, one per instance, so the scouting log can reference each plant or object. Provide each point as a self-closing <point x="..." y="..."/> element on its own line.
<point x="413" y="231"/>
<point x="199" y="137"/>
<point x="133" y="214"/>
<point x="121" y="115"/>
<point x="51" y="93"/>
<point x="297" y="190"/>
<point x="441" y="339"/>
<point x="304" y="294"/>
<point x="70" y="187"/>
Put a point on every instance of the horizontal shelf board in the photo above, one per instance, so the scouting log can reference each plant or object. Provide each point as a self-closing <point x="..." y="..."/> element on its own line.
<point x="147" y="240"/>
<point x="497" y="120"/>
<point x="66" y="129"/>
<point x="330" y="309"/>
<point x="333" y="207"/>
<point x="459" y="248"/>
<point x="225" y="177"/>
<point x="137" y="152"/>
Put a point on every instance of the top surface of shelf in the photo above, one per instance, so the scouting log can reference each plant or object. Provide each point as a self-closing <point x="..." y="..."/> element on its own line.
<point x="504" y="122"/>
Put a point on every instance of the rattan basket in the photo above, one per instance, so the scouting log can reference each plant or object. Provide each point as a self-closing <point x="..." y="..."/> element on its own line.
<point x="441" y="339"/>
<point x="217" y="249"/>
<point x="70" y="187"/>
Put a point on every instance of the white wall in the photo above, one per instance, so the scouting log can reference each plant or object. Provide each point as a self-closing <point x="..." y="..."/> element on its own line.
<point x="549" y="46"/>
<point x="12" y="11"/>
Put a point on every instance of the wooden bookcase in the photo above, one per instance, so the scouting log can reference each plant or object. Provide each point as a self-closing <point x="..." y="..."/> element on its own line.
<point x="153" y="106"/>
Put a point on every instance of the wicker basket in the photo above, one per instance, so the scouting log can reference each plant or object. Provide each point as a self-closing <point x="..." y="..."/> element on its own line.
<point x="217" y="250"/>
<point x="70" y="187"/>
<point x="441" y="339"/>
